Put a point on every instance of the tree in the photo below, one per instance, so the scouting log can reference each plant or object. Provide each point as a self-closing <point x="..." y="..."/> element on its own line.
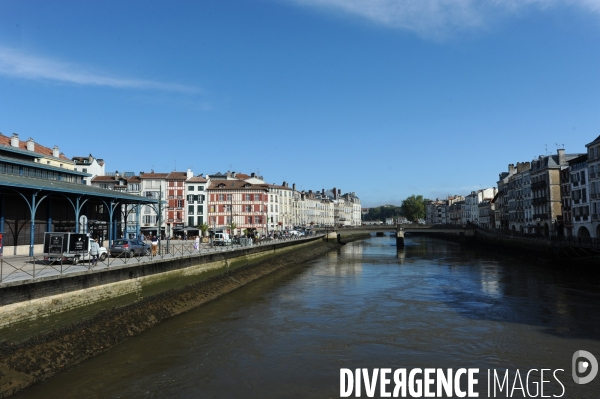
<point x="203" y="228"/>
<point x="232" y="226"/>
<point x="382" y="212"/>
<point x="413" y="207"/>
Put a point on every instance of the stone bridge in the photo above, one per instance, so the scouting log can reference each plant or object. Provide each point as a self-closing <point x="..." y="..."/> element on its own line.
<point x="400" y="230"/>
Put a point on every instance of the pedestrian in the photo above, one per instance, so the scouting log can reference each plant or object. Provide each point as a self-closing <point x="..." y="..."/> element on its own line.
<point x="94" y="252"/>
<point x="154" y="245"/>
<point x="197" y="243"/>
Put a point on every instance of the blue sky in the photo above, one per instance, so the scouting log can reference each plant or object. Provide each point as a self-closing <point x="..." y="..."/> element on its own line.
<point x="385" y="98"/>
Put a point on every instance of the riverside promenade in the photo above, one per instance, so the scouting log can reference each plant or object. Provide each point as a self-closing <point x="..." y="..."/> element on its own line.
<point x="14" y="268"/>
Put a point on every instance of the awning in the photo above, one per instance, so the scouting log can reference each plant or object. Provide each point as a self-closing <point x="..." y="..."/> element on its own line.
<point x="187" y="229"/>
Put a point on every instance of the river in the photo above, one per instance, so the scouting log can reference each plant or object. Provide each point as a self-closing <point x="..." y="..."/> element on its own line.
<point x="287" y="335"/>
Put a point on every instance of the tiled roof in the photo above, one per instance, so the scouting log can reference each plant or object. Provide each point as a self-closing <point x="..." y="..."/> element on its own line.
<point x="235" y="185"/>
<point x="177" y="176"/>
<point x="39" y="149"/>
<point x="278" y="187"/>
<point x="197" y="179"/>
<point x="152" y="175"/>
<point x="103" y="178"/>
<point x="134" y="179"/>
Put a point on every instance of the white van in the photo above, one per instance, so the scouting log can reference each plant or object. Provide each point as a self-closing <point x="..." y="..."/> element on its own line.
<point x="221" y="239"/>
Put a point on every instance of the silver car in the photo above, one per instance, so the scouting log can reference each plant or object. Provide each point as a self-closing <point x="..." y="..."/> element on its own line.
<point x="128" y="248"/>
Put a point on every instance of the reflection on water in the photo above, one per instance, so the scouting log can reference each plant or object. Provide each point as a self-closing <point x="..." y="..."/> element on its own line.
<point x="366" y="305"/>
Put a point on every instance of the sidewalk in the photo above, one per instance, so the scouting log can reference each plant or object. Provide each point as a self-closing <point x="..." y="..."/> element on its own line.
<point x="19" y="268"/>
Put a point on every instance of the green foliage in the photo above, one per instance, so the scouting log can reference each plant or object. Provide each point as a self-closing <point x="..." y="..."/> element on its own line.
<point x="203" y="227"/>
<point x="413" y="207"/>
<point x="382" y="212"/>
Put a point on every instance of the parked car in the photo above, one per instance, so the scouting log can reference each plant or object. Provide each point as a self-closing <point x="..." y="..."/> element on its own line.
<point x="125" y="247"/>
<point x="295" y="233"/>
<point x="221" y="239"/>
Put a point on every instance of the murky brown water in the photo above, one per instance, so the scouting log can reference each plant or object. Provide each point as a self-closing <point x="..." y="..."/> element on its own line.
<point x="289" y="334"/>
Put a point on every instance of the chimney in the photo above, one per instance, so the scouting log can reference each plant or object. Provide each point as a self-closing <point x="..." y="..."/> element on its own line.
<point x="31" y="144"/>
<point x="55" y="152"/>
<point x="561" y="156"/>
<point x="335" y="193"/>
<point x="511" y="169"/>
<point x="189" y="174"/>
<point x="294" y="186"/>
<point x="252" y="174"/>
<point x="14" y="140"/>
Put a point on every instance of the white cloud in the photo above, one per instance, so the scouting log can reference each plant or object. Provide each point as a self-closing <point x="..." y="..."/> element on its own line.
<point x="17" y="64"/>
<point x="437" y="18"/>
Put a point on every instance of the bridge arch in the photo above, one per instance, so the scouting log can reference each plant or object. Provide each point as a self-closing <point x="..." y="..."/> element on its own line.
<point x="583" y="232"/>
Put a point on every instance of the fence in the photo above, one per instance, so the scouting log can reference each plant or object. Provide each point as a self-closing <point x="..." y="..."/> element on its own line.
<point x="17" y="268"/>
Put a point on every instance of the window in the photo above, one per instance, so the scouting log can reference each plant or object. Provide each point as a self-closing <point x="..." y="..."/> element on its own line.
<point x="229" y="197"/>
<point x="191" y="221"/>
<point x="248" y="197"/>
<point x="200" y="209"/>
<point x="221" y="197"/>
<point x="257" y="219"/>
<point x="200" y="188"/>
<point x="249" y="219"/>
<point x="212" y="209"/>
<point x="248" y="208"/>
<point x="191" y="188"/>
<point x="149" y="219"/>
<point x="191" y="209"/>
<point x="227" y="208"/>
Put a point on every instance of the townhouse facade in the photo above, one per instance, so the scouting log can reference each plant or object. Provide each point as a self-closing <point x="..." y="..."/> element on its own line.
<point x="593" y="165"/>
<point x="581" y="219"/>
<point x="237" y="202"/>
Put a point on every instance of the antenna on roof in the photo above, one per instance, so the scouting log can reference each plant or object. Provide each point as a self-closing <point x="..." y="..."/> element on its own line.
<point x="546" y="148"/>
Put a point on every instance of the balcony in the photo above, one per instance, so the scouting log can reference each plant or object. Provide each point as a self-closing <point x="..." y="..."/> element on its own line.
<point x="540" y="216"/>
<point x="539" y="185"/>
<point x="538" y="201"/>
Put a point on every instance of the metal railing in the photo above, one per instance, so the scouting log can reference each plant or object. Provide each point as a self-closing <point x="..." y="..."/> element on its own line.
<point x="17" y="268"/>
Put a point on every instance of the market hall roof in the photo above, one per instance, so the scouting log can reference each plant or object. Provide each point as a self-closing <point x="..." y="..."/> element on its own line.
<point x="16" y="182"/>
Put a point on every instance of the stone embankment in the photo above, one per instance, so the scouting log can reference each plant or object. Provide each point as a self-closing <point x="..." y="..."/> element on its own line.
<point x="56" y="329"/>
<point x="535" y="249"/>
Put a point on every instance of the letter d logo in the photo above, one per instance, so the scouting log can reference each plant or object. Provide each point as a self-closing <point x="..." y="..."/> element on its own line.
<point x="582" y="367"/>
